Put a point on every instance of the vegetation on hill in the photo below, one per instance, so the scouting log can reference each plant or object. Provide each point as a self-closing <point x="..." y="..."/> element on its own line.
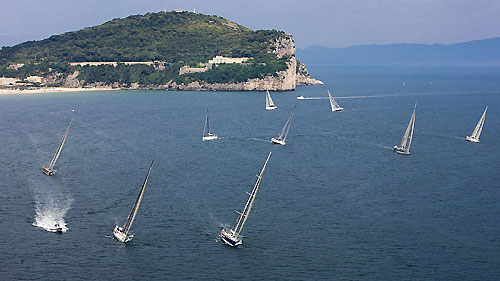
<point x="171" y="38"/>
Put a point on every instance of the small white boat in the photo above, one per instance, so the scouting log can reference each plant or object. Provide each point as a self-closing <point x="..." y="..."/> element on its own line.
<point x="404" y="146"/>
<point x="301" y="98"/>
<point x="207" y="136"/>
<point x="49" y="171"/>
<point x="122" y="233"/>
<point x="269" y="102"/>
<point x="57" y="229"/>
<point x="284" y="132"/>
<point x="233" y="237"/>
<point x="474" y="137"/>
<point x="334" y="105"/>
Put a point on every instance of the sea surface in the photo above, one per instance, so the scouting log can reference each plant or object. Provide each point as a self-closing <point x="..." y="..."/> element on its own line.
<point x="335" y="203"/>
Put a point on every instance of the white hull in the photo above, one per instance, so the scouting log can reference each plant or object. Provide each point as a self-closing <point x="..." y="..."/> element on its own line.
<point x="230" y="238"/>
<point x="48" y="171"/>
<point x="271" y="107"/>
<point x="210" y="137"/>
<point x="277" y="141"/>
<point x="57" y="229"/>
<point x="471" y="139"/>
<point x="338" y="109"/>
<point x="401" y="151"/>
<point x="301" y="98"/>
<point x="120" y="235"/>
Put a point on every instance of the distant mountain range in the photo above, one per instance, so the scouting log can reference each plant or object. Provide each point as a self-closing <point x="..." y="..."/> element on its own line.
<point x="479" y="52"/>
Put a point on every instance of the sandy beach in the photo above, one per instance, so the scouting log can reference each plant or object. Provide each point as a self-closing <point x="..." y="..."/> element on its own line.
<point x="53" y="90"/>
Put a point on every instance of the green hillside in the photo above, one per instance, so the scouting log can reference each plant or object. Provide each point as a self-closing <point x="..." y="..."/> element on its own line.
<point x="172" y="39"/>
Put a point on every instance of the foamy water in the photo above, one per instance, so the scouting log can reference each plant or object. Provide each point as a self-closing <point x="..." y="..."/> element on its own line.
<point x="49" y="213"/>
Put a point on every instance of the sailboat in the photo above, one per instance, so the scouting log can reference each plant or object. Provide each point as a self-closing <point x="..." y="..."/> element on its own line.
<point x="474" y="137"/>
<point x="404" y="146"/>
<point x="233" y="236"/>
<point x="207" y="136"/>
<point x="269" y="102"/>
<point x="49" y="171"/>
<point x="57" y="229"/>
<point x="335" y="106"/>
<point x="122" y="233"/>
<point x="284" y="132"/>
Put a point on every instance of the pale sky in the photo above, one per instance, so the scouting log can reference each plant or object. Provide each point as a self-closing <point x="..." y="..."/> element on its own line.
<point x="330" y="23"/>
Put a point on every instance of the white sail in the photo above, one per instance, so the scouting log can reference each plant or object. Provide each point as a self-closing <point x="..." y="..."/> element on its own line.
<point x="334" y="105"/>
<point x="269" y="102"/>
<point x="412" y="127"/>
<point x="404" y="146"/>
<point x="479" y="128"/>
<point x="131" y="217"/>
<point x="206" y="131"/>
<point x="284" y="131"/>
<point x="240" y="223"/>
<point x="59" y="149"/>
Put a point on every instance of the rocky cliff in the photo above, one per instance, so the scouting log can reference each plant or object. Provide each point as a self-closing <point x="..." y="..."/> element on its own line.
<point x="295" y="74"/>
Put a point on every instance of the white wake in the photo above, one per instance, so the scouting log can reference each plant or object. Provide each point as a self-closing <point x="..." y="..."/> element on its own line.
<point x="49" y="214"/>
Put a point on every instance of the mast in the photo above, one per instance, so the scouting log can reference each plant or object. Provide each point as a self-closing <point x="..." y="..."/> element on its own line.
<point x="59" y="149"/>
<point x="407" y="132"/>
<point x="271" y="102"/>
<point x="284" y="132"/>
<point x="332" y="101"/>
<point x="248" y="206"/>
<point x="135" y="209"/>
<point x="267" y="98"/>
<point x="206" y="131"/>
<point x="412" y="127"/>
<point x="479" y="127"/>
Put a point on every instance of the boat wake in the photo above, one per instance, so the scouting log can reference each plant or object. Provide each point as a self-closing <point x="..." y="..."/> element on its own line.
<point x="257" y="139"/>
<point x="50" y="216"/>
<point x="385" y="146"/>
<point x="312" y="98"/>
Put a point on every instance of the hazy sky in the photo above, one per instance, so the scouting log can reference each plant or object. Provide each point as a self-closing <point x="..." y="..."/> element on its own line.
<point x="332" y="23"/>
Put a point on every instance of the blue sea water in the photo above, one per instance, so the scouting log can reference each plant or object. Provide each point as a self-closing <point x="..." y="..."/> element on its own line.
<point x="335" y="203"/>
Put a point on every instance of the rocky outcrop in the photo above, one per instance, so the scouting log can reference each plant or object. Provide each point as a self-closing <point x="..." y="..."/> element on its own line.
<point x="71" y="81"/>
<point x="303" y="76"/>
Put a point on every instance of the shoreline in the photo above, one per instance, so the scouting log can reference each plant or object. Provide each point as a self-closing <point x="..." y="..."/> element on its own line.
<point x="53" y="90"/>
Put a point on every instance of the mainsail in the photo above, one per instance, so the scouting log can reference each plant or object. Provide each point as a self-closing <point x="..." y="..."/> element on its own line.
<point x="284" y="131"/>
<point x="206" y="130"/>
<point x="131" y="217"/>
<point x="240" y="223"/>
<point x="479" y="127"/>
<point x="269" y="102"/>
<point x="408" y="136"/>
<point x="335" y="106"/>
<point x="59" y="149"/>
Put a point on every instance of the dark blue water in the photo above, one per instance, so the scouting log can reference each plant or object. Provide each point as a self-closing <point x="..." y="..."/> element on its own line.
<point x="335" y="202"/>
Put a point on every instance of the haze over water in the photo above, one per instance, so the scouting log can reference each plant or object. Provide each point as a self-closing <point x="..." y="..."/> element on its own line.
<point x="335" y="203"/>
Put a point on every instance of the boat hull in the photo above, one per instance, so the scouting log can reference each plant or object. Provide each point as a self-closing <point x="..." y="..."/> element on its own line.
<point x="471" y="139"/>
<point x="230" y="239"/>
<point x="278" y="141"/>
<point x="338" y="109"/>
<point x="47" y="171"/>
<point x="58" y="230"/>
<point x="120" y="235"/>
<point x="401" y="151"/>
<point x="209" y="137"/>
<point x="271" y="107"/>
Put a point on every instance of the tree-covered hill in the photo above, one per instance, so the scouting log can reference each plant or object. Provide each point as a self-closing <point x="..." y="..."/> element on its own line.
<point x="169" y="39"/>
<point x="165" y="36"/>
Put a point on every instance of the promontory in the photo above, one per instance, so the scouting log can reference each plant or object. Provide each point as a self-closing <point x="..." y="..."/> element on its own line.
<point x="176" y="50"/>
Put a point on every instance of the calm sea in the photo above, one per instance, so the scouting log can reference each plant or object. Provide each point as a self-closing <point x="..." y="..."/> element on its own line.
<point x="335" y="203"/>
